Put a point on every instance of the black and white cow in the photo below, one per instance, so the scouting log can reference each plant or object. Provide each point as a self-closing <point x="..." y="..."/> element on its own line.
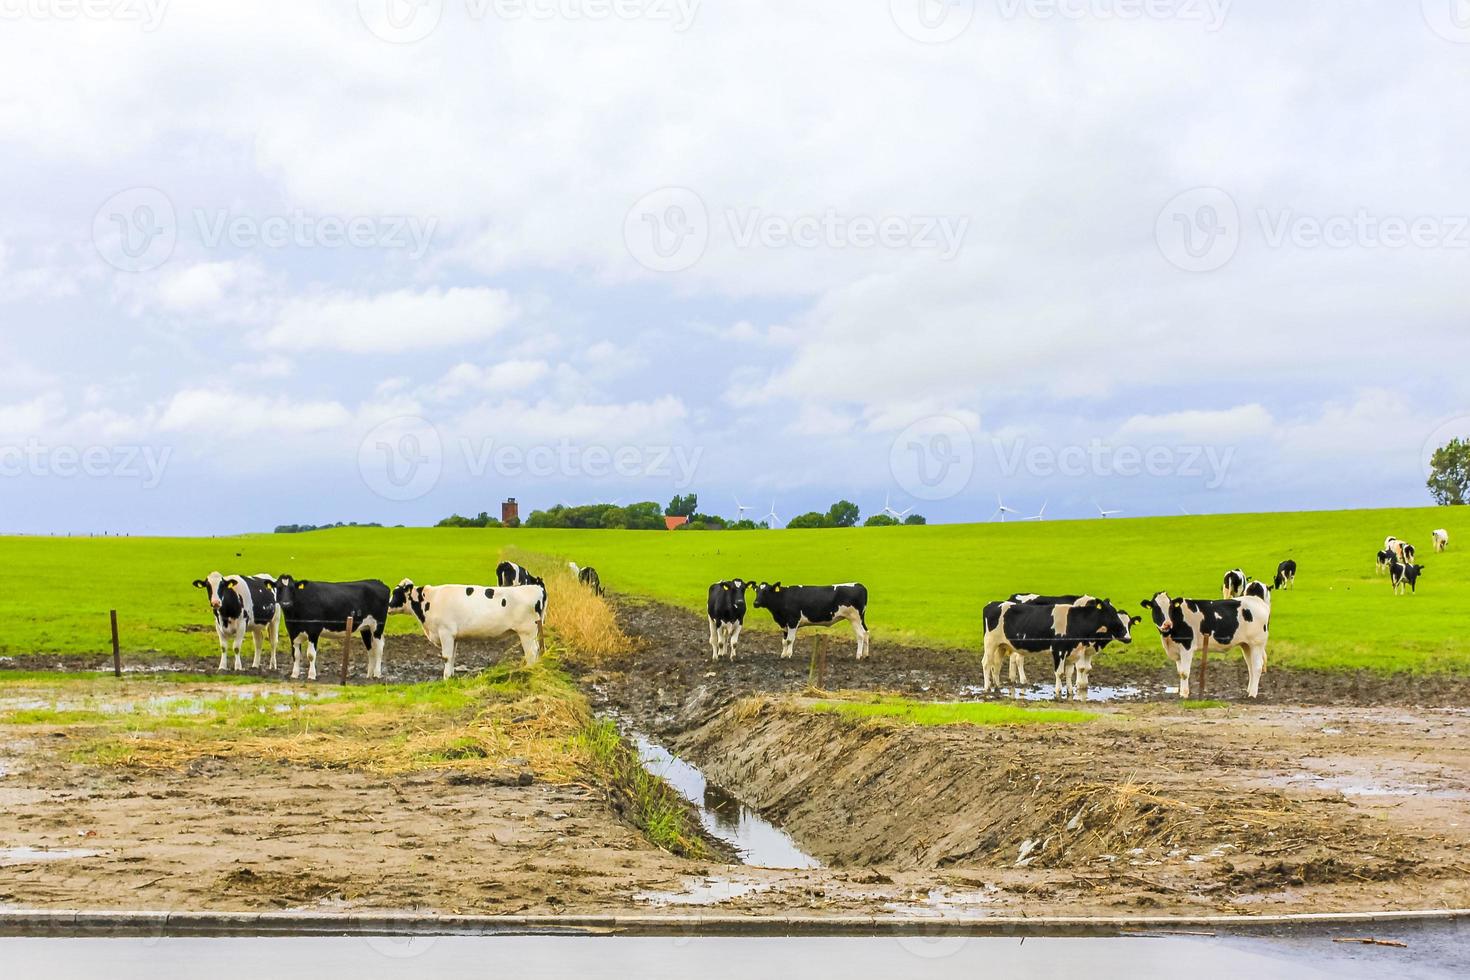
<point x="313" y="608"/>
<point x="1234" y="584"/>
<point x="449" y="613"/>
<point x="1285" y="575"/>
<point x="1386" y="557"/>
<point x="794" y="606"/>
<point x="1072" y="632"/>
<point x="1404" y="576"/>
<point x="242" y="604"/>
<point x="587" y="576"/>
<point x="1394" y="545"/>
<point x="1441" y="539"/>
<point x="1259" y="590"/>
<point x="726" y="615"/>
<point x="1044" y="600"/>
<point x="1406" y="553"/>
<point x="1189" y="626"/>
<point x="509" y="573"/>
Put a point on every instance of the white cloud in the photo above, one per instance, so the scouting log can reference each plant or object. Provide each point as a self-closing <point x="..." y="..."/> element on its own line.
<point x="1240" y="422"/>
<point x="506" y="376"/>
<point x="402" y="320"/>
<point x="229" y="413"/>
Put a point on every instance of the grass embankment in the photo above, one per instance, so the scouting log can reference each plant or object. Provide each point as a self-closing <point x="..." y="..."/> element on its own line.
<point x="927" y="584"/>
<point x="937" y="713"/>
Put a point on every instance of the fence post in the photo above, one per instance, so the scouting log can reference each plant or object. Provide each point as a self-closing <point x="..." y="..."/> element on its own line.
<point x="346" y="650"/>
<point x="818" y="664"/>
<point x="1204" y="667"/>
<point x="116" y="650"/>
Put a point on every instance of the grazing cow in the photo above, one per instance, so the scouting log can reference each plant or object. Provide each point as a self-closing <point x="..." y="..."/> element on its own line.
<point x="1441" y="539"/>
<point x="242" y="605"/>
<point x="1404" y="575"/>
<point x="1073" y="633"/>
<point x="726" y="615"/>
<point x="449" y="613"/>
<point x="1045" y="600"/>
<point x="1234" y="585"/>
<point x="1395" y="547"/>
<point x="1190" y="626"/>
<point x="1259" y="590"/>
<point x="1385" y="558"/>
<point x="587" y="576"/>
<point x="313" y="608"/>
<point x="793" y="606"/>
<point x="509" y="573"/>
<point x="1285" y="575"/>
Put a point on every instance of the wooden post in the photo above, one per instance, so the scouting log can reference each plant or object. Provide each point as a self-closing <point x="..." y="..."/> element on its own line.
<point x="346" y="651"/>
<point x="116" y="650"/>
<point x="818" y="664"/>
<point x="1204" y="667"/>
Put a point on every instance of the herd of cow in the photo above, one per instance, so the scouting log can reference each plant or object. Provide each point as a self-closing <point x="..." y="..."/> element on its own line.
<point x="1073" y="629"/>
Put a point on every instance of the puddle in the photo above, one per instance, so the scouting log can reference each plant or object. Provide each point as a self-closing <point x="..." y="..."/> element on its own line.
<point x="1045" y="692"/>
<point x="705" y="891"/>
<point x="942" y="903"/>
<point x="758" y="841"/>
<point x="284" y="700"/>
<point x="10" y="856"/>
<point x="1357" y="786"/>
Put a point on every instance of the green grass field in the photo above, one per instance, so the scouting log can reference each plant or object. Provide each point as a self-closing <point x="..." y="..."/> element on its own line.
<point x="927" y="584"/>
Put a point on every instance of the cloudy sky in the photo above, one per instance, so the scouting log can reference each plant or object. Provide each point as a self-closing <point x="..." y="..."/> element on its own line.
<point x="317" y="260"/>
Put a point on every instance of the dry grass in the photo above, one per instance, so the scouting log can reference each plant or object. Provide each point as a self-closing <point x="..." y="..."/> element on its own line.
<point x="581" y="619"/>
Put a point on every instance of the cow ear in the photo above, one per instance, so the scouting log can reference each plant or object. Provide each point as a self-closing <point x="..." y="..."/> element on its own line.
<point x="199" y="583"/>
<point x="725" y="586"/>
<point x="1144" y="604"/>
<point x="1134" y="620"/>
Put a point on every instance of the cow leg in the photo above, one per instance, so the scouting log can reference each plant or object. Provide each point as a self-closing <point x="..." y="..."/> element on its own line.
<point x="860" y="629"/>
<point x="715" y="637"/>
<point x="1255" y="660"/>
<point x="311" y="656"/>
<point x="529" y="650"/>
<point x="446" y="650"/>
<point x="224" y="647"/>
<point x="296" y="657"/>
<point x="1184" y="661"/>
<point x="1081" y="668"/>
<point x="239" y="644"/>
<point x="788" y="644"/>
<point x="275" y="636"/>
<point x="1059" y="668"/>
<point x="255" y="637"/>
<point x="732" y="637"/>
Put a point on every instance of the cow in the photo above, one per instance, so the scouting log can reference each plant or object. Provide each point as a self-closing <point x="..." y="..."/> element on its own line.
<point x="1190" y="626"/>
<point x="312" y="608"/>
<point x="1394" y="546"/>
<point x="1233" y="587"/>
<point x="587" y="576"/>
<point x="726" y="615"/>
<point x="1404" y="575"/>
<point x="1073" y="633"/>
<point x="1044" y="600"/>
<point x="1406" y="553"/>
<point x="1385" y="558"/>
<point x="1441" y="539"/>
<point x="509" y="573"/>
<point x="449" y="613"/>
<point x="242" y="605"/>
<point x="794" y="606"/>
<point x="1259" y="590"/>
<point x="1285" y="575"/>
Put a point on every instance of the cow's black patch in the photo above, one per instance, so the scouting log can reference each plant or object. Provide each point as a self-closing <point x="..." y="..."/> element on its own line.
<point x="489" y="593"/>
<point x="1248" y="617"/>
<point x="469" y="590"/>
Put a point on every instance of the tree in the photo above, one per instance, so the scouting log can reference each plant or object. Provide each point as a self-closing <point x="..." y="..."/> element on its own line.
<point x="684" y="506"/>
<point x="844" y="513"/>
<point x="914" y="519"/>
<point x="809" y="519"/>
<point x="1449" y="480"/>
<point x="880" y="520"/>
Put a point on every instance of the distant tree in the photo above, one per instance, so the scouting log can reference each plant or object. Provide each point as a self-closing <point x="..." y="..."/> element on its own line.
<point x="1449" y="480"/>
<point x="684" y="506"/>
<point x="844" y="513"/>
<point x="807" y="520"/>
<point x="745" y="524"/>
<point x="705" y="522"/>
<point x="880" y="520"/>
<point x="915" y="519"/>
<point x="483" y="519"/>
<point x="303" y="528"/>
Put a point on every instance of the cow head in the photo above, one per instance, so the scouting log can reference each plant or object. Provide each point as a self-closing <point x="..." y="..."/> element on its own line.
<point x="1261" y="590"/>
<point x="764" y="593"/>
<point x="213" y="585"/>
<point x="286" y="589"/>
<point x="1158" y="607"/>
<point x="404" y="593"/>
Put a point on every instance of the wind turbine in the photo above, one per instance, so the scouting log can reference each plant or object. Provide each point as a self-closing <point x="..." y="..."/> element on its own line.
<point x="897" y="515"/>
<point x="740" y="509"/>
<point x="772" y="521"/>
<point x="1105" y="513"/>
<point x="1039" y="515"/>
<point x="1002" y="510"/>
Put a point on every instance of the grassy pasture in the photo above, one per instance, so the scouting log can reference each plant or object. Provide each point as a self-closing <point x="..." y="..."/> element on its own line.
<point x="925" y="713"/>
<point x="927" y="584"/>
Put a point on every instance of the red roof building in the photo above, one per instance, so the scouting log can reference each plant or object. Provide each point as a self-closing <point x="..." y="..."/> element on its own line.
<point x="673" y="522"/>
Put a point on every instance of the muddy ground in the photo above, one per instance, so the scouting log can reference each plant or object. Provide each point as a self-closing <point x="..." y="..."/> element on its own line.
<point x="1328" y="794"/>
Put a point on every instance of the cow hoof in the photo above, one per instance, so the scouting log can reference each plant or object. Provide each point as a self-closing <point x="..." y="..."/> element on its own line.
<point x="311" y="675"/>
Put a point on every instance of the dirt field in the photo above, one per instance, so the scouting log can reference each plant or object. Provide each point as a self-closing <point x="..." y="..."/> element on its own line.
<point x="1318" y="798"/>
